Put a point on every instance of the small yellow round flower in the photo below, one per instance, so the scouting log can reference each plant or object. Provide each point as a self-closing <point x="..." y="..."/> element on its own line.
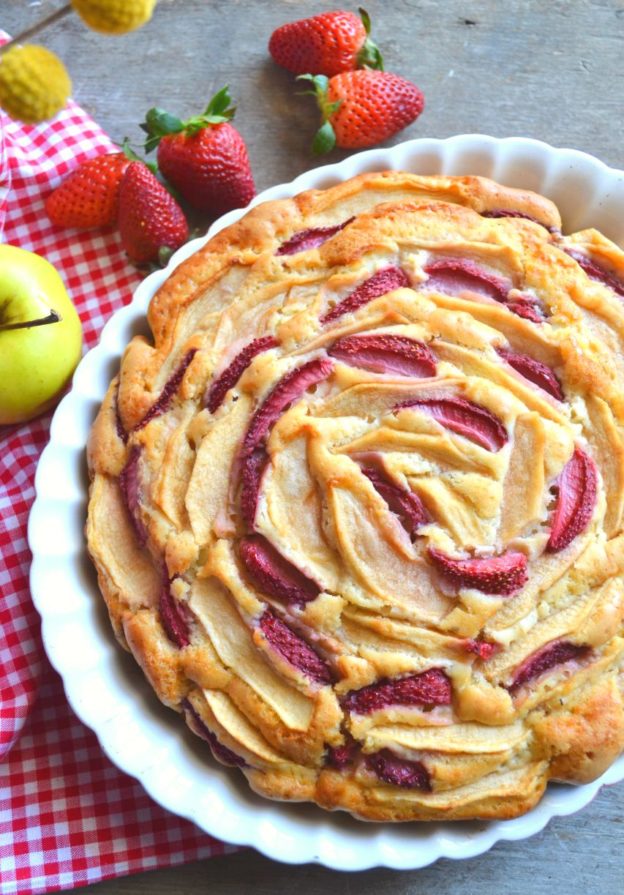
<point x="114" y="16"/>
<point x="34" y="84"/>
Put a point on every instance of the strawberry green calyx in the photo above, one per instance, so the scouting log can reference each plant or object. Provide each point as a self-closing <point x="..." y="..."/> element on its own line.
<point x="129" y="153"/>
<point x="370" y="54"/>
<point x="325" y="137"/>
<point x="159" y="123"/>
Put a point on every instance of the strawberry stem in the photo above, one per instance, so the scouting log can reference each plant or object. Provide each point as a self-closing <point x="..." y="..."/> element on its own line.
<point x="325" y="137"/>
<point x="164" y="254"/>
<point x="129" y="152"/>
<point x="159" y="123"/>
<point x="370" y="54"/>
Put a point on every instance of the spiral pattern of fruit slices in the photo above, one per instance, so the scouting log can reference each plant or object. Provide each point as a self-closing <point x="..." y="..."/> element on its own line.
<point x="381" y="569"/>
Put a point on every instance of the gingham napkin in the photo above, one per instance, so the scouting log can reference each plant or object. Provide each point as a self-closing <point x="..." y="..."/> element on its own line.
<point x="67" y="815"/>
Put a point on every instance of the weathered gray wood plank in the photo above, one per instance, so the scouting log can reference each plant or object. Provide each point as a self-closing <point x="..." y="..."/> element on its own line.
<point x="548" y="70"/>
<point x="581" y="854"/>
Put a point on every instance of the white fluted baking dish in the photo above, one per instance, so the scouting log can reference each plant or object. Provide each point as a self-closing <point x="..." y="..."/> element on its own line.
<point x="107" y="691"/>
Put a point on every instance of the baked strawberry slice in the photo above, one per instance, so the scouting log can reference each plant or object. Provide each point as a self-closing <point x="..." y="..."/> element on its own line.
<point x="503" y="575"/>
<point x="130" y="485"/>
<point x="482" y="649"/>
<point x="340" y="757"/>
<point x="407" y="505"/>
<point x="294" y="649"/>
<point x="426" y="689"/>
<point x="526" y="307"/>
<point x="464" y="418"/>
<point x="273" y="574"/>
<point x="386" y="353"/>
<point x="533" y="370"/>
<point x="164" y="401"/>
<point x="452" y="276"/>
<point x="397" y="771"/>
<point x="289" y="389"/>
<point x="252" y="457"/>
<point x="252" y="470"/>
<point x="595" y="272"/>
<point x="310" y="239"/>
<point x="510" y="213"/>
<point x="576" y="499"/>
<point x="232" y="373"/>
<point x="558" y="652"/>
<point x="119" y="426"/>
<point x="385" y="280"/>
<point x="172" y="617"/>
<point x="220" y="752"/>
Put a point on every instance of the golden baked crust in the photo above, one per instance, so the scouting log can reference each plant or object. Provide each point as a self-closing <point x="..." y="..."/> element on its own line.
<point x="357" y="511"/>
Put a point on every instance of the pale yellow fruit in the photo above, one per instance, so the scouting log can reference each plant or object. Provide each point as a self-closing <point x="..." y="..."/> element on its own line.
<point x="40" y="335"/>
<point x="34" y="84"/>
<point x="114" y="16"/>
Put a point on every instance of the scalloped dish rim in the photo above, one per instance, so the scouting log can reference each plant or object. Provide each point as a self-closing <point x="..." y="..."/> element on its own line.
<point x="122" y="716"/>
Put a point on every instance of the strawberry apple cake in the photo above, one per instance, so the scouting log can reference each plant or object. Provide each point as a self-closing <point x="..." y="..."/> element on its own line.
<point x="356" y="509"/>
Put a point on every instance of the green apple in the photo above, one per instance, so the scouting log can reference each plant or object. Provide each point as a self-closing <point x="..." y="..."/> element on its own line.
<point x="40" y="335"/>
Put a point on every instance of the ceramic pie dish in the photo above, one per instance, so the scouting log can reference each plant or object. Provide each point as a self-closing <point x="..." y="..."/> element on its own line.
<point x="504" y="161"/>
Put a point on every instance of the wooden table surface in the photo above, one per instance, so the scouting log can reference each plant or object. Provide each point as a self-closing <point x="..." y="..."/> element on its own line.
<point x="551" y="70"/>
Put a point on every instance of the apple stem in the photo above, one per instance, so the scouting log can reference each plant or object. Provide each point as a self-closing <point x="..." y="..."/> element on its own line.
<point x="52" y="317"/>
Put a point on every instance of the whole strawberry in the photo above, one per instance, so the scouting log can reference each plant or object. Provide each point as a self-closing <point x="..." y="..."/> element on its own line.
<point x="204" y="158"/>
<point x="149" y="217"/>
<point x="89" y="196"/>
<point x="326" y="44"/>
<point x="362" y="108"/>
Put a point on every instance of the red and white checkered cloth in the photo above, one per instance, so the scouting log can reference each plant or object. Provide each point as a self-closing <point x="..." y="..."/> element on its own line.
<point x="67" y="815"/>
